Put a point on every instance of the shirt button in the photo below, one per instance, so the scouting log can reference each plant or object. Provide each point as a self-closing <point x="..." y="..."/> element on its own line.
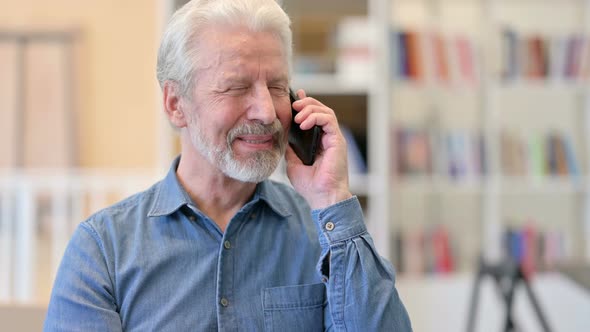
<point x="329" y="226"/>
<point x="191" y="218"/>
<point x="227" y="245"/>
<point x="224" y="302"/>
<point x="253" y="216"/>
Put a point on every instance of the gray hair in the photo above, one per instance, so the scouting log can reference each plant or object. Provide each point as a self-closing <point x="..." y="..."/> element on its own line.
<point x="179" y="54"/>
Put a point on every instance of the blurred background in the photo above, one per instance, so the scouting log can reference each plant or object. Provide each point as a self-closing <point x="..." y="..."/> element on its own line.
<point x="468" y="123"/>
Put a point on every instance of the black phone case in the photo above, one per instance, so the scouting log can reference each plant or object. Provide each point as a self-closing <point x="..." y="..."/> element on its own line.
<point x="303" y="142"/>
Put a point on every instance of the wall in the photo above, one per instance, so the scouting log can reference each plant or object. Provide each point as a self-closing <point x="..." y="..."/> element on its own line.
<point x="118" y="97"/>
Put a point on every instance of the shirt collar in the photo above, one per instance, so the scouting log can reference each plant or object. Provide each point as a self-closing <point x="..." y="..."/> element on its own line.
<point x="268" y="192"/>
<point x="171" y="196"/>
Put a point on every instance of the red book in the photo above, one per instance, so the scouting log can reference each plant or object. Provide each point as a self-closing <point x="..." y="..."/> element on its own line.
<point x="414" y="52"/>
<point x="443" y="258"/>
<point x="529" y="239"/>
<point x="536" y="58"/>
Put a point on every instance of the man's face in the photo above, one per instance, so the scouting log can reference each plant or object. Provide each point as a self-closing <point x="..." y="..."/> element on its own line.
<point x="240" y="109"/>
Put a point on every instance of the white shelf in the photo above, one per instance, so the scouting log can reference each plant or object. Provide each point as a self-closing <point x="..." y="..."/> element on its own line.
<point x="516" y="85"/>
<point x="426" y="183"/>
<point x="541" y="86"/>
<point x="506" y="184"/>
<point x="548" y="185"/>
<point x="458" y="89"/>
<point x="328" y="84"/>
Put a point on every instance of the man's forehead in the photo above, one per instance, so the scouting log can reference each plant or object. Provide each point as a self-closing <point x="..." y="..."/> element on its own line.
<point x="241" y="73"/>
<point x="239" y="54"/>
<point x="235" y="46"/>
<point x="239" y="37"/>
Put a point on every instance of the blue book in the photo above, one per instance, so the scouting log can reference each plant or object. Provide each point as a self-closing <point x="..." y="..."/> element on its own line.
<point x="572" y="163"/>
<point x="400" y="43"/>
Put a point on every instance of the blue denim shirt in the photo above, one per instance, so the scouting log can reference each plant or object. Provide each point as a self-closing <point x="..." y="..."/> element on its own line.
<point x="154" y="262"/>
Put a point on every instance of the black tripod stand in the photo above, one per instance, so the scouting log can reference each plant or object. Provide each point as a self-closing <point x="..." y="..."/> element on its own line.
<point x="507" y="276"/>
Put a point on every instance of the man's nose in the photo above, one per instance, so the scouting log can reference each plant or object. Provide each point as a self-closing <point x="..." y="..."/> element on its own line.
<point x="262" y="108"/>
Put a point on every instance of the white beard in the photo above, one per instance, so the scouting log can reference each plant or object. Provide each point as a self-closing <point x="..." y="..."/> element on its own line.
<point x="254" y="169"/>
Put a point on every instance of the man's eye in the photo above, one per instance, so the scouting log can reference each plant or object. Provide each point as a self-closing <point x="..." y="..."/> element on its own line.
<point x="279" y="90"/>
<point x="236" y="90"/>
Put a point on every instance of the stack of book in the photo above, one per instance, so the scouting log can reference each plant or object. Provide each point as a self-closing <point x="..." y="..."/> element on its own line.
<point x="430" y="56"/>
<point x="534" y="249"/>
<point x="539" y="155"/>
<point x="425" y="251"/>
<point x="535" y="57"/>
<point x="459" y="154"/>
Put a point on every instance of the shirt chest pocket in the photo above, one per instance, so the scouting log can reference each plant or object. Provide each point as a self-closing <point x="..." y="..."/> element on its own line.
<point x="294" y="308"/>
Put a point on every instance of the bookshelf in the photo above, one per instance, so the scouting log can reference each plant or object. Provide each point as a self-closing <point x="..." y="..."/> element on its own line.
<point x="491" y="127"/>
<point x="490" y="108"/>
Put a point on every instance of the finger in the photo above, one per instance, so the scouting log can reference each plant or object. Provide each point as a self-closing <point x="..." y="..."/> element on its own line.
<point x="326" y="121"/>
<point x="308" y="110"/>
<point x="301" y="94"/>
<point x="306" y="101"/>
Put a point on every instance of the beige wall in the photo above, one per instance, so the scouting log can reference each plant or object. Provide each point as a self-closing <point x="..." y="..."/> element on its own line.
<point x="118" y="90"/>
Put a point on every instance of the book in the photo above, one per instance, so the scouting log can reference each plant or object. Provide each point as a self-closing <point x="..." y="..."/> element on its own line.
<point x="413" y="252"/>
<point x="424" y="250"/>
<point x="355" y="59"/>
<point x="455" y="155"/>
<point x="440" y="58"/>
<point x="573" y="167"/>
<point x="537" y="157"/>
<point x="408" y="58"/>
<point x="585" y="60"/>
<point x="573" y="56"/>
<point x="535" y="58"/>
<point x="414" y="153"/>
<point x="401" y="65"/>
<point x="441" y="251"/>
<point x="465" y="154"/>
<point x="414" y="55"/>
<point x="356" y="162"/>
<point x="510" y="54"/>
<point x="465" y="53"/>
<point x="418" y="152"/>
<point x="513" y="154"/>
<point x="534" y="249"/>
<point x="529" y="249"/>
<point x="557" y="159"/>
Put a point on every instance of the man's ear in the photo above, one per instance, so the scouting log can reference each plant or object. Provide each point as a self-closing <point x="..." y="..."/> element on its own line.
<point x="173" y="104"/>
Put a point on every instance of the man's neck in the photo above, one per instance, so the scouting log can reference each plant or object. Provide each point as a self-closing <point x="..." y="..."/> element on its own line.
<point x="215" y="194"/>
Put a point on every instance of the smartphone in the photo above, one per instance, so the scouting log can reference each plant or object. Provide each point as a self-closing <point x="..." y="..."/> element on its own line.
<point x="304" y="142"/>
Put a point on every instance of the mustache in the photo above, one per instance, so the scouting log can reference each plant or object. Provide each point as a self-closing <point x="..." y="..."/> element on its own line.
<point x="254" y="128"/>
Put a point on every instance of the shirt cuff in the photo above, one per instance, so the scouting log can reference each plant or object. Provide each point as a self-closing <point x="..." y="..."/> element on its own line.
<point x="340" y="222"/>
